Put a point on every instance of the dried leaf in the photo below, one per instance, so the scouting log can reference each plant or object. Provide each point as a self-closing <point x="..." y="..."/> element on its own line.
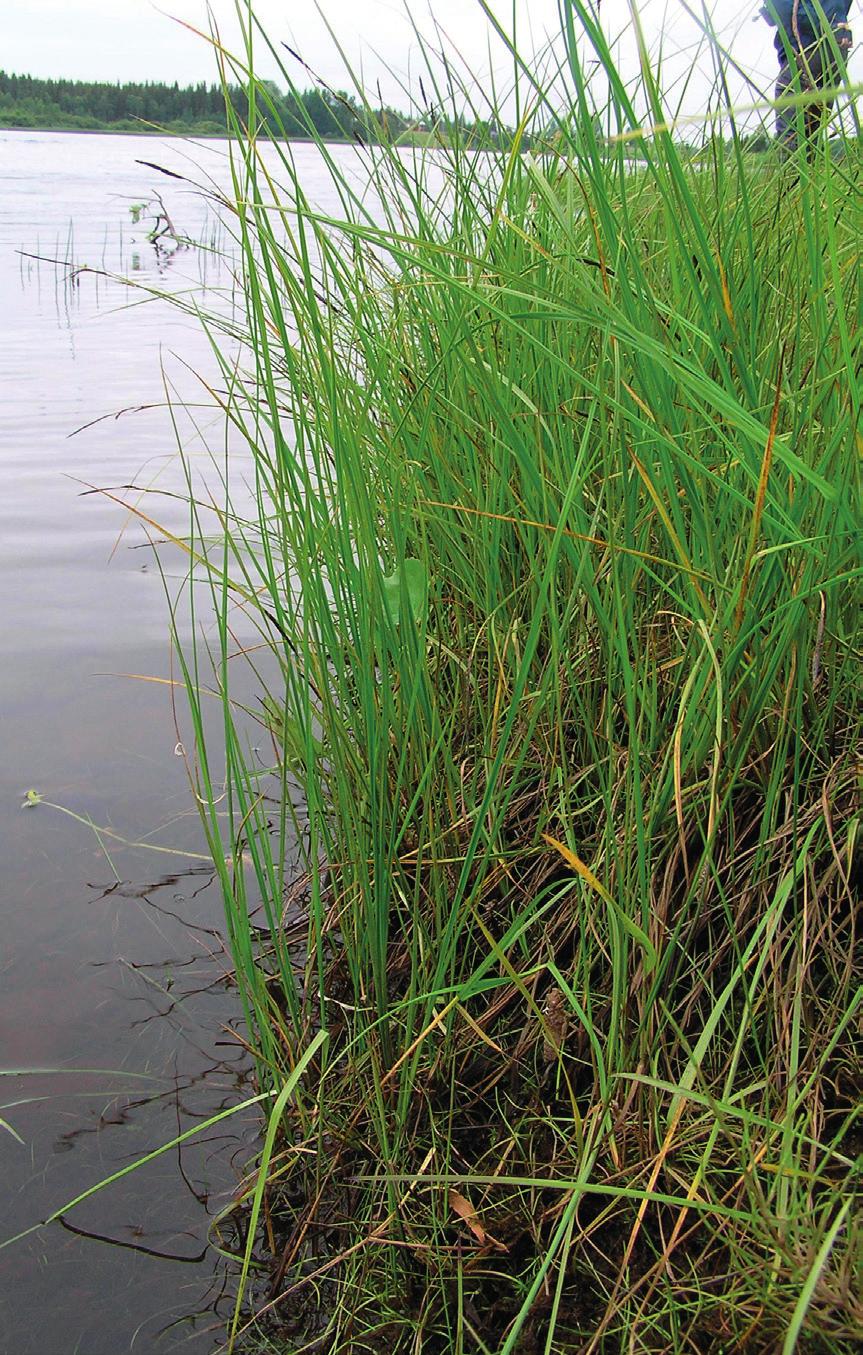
<point x="466" y="1211"/>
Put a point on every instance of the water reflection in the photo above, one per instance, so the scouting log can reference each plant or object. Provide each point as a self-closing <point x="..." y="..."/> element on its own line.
<point x="112" y="956"/>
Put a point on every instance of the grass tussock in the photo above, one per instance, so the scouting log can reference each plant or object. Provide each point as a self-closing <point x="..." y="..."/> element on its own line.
<point x="555" y="562"/>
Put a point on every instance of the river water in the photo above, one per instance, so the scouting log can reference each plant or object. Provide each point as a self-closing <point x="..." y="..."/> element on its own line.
<point x="115" y="1001"/>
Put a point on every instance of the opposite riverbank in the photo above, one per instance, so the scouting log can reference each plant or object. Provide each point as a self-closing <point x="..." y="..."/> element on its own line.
<point x="318" y="114"/>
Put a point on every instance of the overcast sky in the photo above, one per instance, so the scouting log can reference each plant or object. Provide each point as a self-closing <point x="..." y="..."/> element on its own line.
<point x="141" y="40"/>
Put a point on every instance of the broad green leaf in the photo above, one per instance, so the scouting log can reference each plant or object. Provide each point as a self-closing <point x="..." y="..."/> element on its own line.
<point x="410" y="580"/>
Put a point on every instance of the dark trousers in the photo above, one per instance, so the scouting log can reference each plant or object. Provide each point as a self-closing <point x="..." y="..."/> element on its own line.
<point x="815" y="65"/>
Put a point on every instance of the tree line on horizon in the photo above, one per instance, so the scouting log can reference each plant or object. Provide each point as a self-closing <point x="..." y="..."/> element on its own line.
<point x="28" y="101"/>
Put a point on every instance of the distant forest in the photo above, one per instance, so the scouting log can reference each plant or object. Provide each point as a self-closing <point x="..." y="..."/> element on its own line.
<point x="199" y="110"/>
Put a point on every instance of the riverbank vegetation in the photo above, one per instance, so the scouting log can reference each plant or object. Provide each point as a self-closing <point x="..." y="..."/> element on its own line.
<point x="555" y="567"/>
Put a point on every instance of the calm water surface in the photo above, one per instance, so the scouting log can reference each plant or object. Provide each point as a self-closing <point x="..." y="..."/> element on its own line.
<point x="110" y="961"/>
